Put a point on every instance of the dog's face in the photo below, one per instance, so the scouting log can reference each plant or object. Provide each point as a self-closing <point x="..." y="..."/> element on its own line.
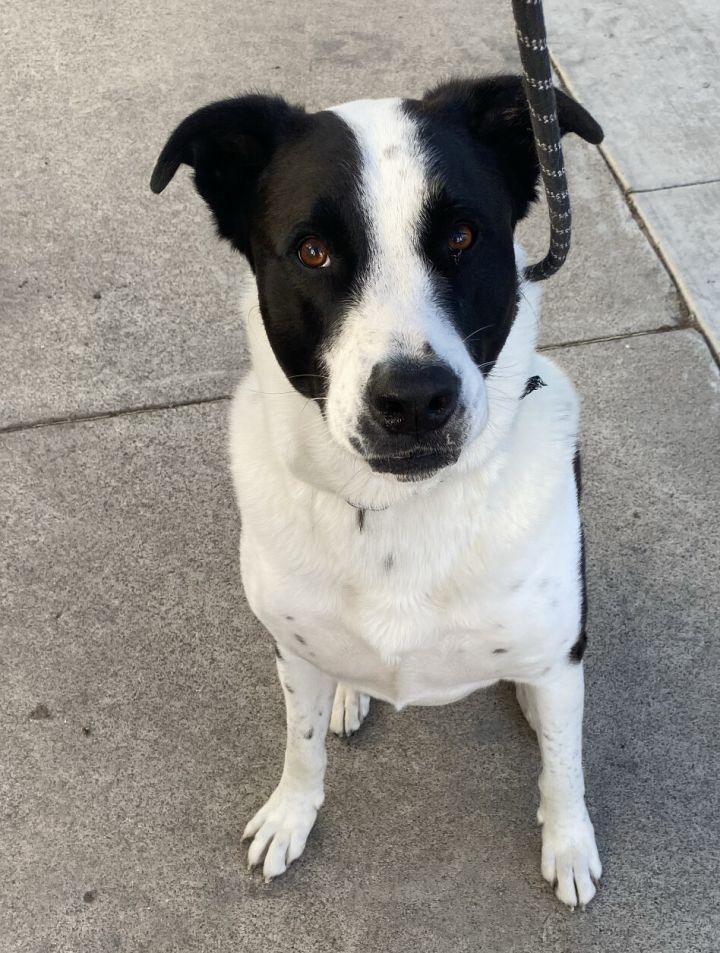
<point x="381" y="237"/>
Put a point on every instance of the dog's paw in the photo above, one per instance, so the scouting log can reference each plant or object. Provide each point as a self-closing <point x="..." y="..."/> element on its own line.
<point x="280" y="828"/>
<point x="570" y="860"/>
<point x="349" y="711"/>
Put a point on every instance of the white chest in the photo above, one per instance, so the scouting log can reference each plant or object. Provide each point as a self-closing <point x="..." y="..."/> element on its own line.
<point x="411" y="619"/>
<point x="450" y="588"/>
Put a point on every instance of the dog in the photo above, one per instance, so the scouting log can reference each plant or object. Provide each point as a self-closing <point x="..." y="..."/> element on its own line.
<point x="405" y="462"/>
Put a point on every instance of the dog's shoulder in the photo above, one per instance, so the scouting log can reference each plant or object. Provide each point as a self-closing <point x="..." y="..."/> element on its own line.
<point x="549" y="412"/>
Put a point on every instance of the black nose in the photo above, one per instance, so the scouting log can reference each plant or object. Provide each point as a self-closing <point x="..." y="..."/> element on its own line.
<point x="412" y="398"/>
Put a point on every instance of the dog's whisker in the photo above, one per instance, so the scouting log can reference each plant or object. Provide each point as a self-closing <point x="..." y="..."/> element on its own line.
<point x="285" y="393"/>
<point x="473" y="333"/>
<point x="321" y="377"/>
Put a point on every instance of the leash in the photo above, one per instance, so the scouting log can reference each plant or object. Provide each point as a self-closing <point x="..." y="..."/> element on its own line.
<point x="540" y="93"/>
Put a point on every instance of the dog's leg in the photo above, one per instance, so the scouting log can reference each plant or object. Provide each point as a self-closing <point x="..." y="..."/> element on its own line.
<point x="280" y="829"/>
<point x="526" y="701"/>
<point x="350" y="709"/>
<point x="570" y="861"/>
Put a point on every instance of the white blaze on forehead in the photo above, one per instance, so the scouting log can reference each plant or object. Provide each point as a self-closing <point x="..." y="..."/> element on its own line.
<point x="394" y="188"/>
<point x="395" y="312"/>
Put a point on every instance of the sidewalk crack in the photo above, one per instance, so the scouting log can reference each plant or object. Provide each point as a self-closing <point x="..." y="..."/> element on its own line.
<point x="109" y="414"/>
<point x="669" y="188"/>
<point x="621" y="336"/>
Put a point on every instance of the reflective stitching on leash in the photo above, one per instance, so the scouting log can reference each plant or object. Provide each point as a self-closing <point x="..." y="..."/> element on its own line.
<point x="531" y="42"/>
<point x="540" y="94"/>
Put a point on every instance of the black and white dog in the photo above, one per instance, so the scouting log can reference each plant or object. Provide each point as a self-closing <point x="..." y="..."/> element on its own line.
<point x="409" y="492"/>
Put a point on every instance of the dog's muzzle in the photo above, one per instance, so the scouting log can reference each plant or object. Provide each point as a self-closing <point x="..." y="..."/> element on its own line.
<point x="412" y="422"/>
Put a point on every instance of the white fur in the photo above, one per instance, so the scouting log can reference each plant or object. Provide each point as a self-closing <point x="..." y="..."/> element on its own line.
<point x="482" y="557"/>
<point x="396" y="314"/>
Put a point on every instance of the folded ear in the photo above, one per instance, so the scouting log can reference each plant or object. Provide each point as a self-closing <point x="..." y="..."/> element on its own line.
<point x="496" y="113"/>
<point x="228" y="144"/>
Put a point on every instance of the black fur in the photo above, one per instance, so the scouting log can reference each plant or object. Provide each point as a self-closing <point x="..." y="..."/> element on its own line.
<point x="534" y="383"/>
<point x="229" y="144"/>
<point x="578" y="649"/>
<point x="272" y="175"/>
<point x="480" y="138"/>
<point x="494" y="111"/>
<point x="577" y="470"/>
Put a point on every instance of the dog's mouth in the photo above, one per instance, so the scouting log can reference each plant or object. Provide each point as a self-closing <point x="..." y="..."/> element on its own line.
<point x="418" y="464"/>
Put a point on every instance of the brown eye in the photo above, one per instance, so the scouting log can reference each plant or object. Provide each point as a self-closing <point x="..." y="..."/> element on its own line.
<point x="460" y="238"/>
<point x="313" y="252"/>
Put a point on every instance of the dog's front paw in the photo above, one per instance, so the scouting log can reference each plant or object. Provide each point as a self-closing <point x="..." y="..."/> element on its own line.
<point x="570" y="860"/>
<point x="280" y="829"/>
<point x="349" y="711"/>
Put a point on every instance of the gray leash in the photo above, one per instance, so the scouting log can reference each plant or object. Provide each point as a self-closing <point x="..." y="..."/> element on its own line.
<point x="540" y="92"/>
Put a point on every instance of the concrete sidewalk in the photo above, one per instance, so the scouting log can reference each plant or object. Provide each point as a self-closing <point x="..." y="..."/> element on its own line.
<point x="140" y="721"/>
<point x="651" y="68"/>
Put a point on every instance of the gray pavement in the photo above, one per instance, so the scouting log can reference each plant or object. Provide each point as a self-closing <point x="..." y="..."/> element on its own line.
<point x="650" y="68"/>
<point x="140" y="722"/>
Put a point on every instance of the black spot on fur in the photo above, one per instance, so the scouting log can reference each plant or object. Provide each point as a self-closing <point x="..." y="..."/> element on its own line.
<point x="289" y="688"/>
<point x="534" y="383"/>
<point x="499" y="651"/>
<point x="308" y="734"/>
<point x="578" y="650"/>
<point x="361" y="519"/>
<point x="577" y="470"/>
<point x="583" y="574"/>
<point x="300" y="639"/>
<point x="278" y="653"/>
<point x="388" y="562"/>
<point x="583" y="583"/>
<point x="40" y="712"/>
<point x="90" y="896"/>
<point x="289" y="618"/>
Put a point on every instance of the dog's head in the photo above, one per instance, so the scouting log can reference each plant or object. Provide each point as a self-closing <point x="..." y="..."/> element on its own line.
<point x="381" y="237"/>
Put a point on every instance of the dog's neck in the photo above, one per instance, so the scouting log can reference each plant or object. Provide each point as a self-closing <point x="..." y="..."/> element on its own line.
<point x="306" y="450"/>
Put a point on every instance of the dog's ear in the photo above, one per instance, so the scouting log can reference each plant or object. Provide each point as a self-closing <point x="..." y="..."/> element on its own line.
<point x="496" y="113"/>
<point x="228" y="144"/>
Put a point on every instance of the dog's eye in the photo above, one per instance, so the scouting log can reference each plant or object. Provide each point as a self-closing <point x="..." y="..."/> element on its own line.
<point x="460" y="238"/>
<point x="313" y="252"/>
